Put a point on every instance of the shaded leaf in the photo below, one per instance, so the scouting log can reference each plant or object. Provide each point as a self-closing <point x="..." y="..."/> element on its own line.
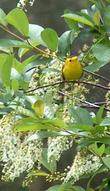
<point x="99" y="114"/>
<point x="96" y="65"/>
<point x="106" y="18"/>
<point x="81" y="116"/>
<point x="7" y="43"/>
<point x="2" y="18"/>
<point x="106" y="161"/>
<point x="102" y="52"/>
<point x="51" y="165"/>
<point x="65" y="187"/>
<point x="64" y="43"/>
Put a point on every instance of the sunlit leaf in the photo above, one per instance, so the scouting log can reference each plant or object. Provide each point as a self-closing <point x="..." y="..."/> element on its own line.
<point x="6" y="70"/>
<point x="18" y="19"/>
<point x="50" y="37"/>
<point x="78" y="18"/>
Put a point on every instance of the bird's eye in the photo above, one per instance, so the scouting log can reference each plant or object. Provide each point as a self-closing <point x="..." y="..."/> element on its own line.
<point x="70" y="60"/>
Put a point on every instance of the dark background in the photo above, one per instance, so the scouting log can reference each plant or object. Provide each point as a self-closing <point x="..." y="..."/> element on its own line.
<point x="46" y="13"/>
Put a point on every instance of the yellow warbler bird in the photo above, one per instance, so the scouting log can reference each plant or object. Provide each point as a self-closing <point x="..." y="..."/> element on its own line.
<point x="72" y="69"/>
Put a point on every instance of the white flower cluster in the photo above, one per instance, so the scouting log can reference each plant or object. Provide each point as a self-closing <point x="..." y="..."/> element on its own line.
<point x="17" y="153"/>
<point x="22" y="3"/>
<point x="83" y="164"/>
<point x="107" y="99"/>
<point x="56" y="146"/>
<point x="50" y="76"/>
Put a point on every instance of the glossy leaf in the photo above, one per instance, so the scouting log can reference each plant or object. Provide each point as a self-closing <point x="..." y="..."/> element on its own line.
<point x="35" y="34"/>
<point x="79" y="19"/>
<point x="50" y="37"/>
<point x="18" y="19"/>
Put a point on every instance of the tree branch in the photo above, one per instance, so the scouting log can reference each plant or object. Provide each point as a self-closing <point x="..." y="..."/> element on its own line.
<point x="97" y="75"/>
<point x="69" y="82"/>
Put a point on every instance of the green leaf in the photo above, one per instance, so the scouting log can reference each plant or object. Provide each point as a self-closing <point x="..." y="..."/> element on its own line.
<point x="81" y="116"/>
<point x="97" y="150"/>
<point x="65" y="187"/>
<point x="106" y="18"/>
<point x="81" y="127"/>
<point x="14" y="84"/>
<point x="6" y="70"/>
<point x="105" y="122"/>
<point x="99" y="114"/>
<point x="29" y="61"/>
<point x="7" y="43"/>
<point x="95" y="66"/>
<point x="50" y="37"/>
<point x="3" y="58"/>
<point x="102" y="51"/>
<point x="2" y="18"/>
<point x="51" y="165"/>
<point x="18" y="19"/>
<point x="34" y="61"/>
<point x="97" y="17"/>
<point x="64" y="43"/>
<point x="35" y="34"/>
<point x="106" y="161"/>
<point x="79" y="19"/>
<point x="31" y="124"/>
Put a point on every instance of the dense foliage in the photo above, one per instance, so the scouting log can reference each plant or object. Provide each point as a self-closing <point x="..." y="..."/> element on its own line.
<point x="42" y="115"/>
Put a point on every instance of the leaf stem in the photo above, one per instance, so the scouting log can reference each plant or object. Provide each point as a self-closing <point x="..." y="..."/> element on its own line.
<point x="6" y="29"/>
<point x="10" y="32"/>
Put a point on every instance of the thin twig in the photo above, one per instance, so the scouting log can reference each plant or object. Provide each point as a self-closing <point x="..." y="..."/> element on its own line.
<point x="29" y="43"/>
<point x="38" y="49"/>
<point x="10" y="32"/>
<point x="97" y="75"/>
<point x="68" y="82"/>
<point x="87" y="104"/>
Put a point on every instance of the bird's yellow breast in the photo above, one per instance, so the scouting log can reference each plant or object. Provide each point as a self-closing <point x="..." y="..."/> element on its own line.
<point x="72" y="69"/>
